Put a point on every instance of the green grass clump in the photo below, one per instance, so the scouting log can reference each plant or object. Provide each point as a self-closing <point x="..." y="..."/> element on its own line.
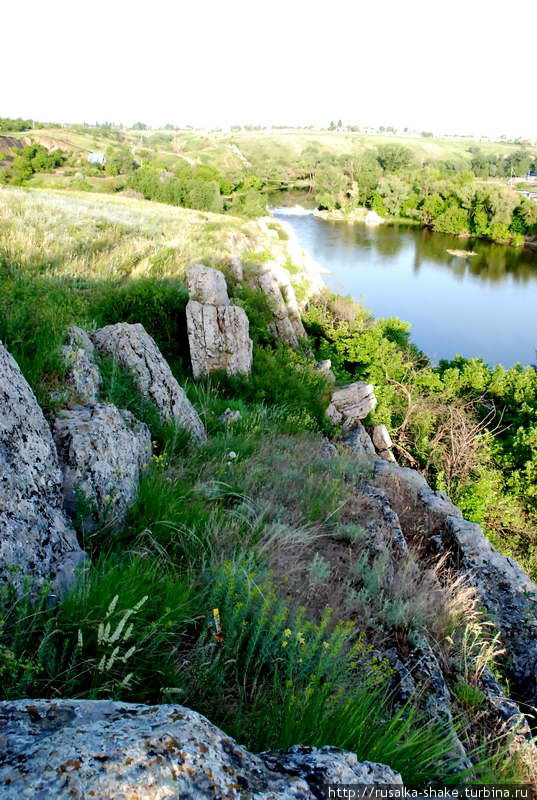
<point x="116" y="633"/>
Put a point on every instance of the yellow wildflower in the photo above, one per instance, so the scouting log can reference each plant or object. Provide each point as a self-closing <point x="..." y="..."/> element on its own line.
<point x="326" y="645"/>
<point x="285" y="643"/>
<point x="287" y="632"/>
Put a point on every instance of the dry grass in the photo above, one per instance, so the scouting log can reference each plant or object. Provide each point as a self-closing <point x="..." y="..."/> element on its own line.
<point x="102" y="236"/>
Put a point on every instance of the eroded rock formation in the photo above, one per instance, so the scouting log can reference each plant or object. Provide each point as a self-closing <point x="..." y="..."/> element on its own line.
<point x="78" y="748"/>
<point x="36" y="538"/>
<point x="218" y="333"/>
<point x="103" y="451"/>
<point x="83" y="379"/>
<point x="134" y="350"/>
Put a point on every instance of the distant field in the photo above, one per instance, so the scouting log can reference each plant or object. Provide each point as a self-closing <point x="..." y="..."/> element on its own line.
<point x="234" y="151"/>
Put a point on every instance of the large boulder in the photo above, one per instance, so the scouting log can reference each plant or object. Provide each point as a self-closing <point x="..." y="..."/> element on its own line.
<point x="36" y="538"/>
<point x="83" y="378"/>
<point x="218" y="333"/>
<point x="134" y="350"/>
<point x="114" y="751"/>
<point x="219" y="339"/>
<point x="351" y="403"/>
<point x="103" y="451"/>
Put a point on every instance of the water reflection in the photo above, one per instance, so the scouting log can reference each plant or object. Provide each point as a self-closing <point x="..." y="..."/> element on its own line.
<point x="484" y="305"/>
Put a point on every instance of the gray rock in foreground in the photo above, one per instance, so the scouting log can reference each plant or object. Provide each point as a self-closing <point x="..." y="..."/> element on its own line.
<point x="134" y="350"/>
<point x="83" y="378"/>
<point x="103" y="451"/>
<point x="36" y="538"/>
<point x="115" y="751"/>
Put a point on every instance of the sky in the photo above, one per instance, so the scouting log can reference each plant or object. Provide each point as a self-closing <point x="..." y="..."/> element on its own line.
<point x="453" y="66"/>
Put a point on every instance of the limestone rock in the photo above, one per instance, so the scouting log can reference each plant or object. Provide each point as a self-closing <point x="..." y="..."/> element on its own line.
<point x="359" y="440"/>
<point x="67" y="748"/>
<point x="230" y="416"/>
<point x="383" y="442"/>
<point x="83" y="378"/>
<point x="207" y="285"/>
<point x="275" y="282"/>
<point x="354" y="402"/>
<point x="502" y="587"/>
<point x="35" y="535"/>
<point x="283" y="330"/>
<point x="103" y="451"/>
<point x="334" y="415"/>
<point x="134" y="350"/>
<point x="219" y="339"/>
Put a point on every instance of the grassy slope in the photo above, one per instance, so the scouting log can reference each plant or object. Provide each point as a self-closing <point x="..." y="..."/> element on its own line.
<point x="109" y="236"/>
<point x="257" y="146"/>
<point x="64" y="254"/>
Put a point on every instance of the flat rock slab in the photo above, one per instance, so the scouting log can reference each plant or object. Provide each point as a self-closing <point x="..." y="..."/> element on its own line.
<point x="36" y="538"/>
<point x="103" y="451"/>
<point x="134" y="350"/>
<point x="118" y="751"/>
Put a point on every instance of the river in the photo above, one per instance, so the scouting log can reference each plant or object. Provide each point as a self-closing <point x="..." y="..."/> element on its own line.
<point x="484" y="305"/>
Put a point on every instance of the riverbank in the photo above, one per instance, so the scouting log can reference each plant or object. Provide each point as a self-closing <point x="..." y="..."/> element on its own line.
<point x="370" y="217"/>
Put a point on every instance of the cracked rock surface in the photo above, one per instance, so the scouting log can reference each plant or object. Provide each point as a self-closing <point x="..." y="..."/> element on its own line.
<point x="103" y="451"/>
<point x="134" y="350"/>
<point x="36" y="538"/>
<point x="119" y="751"/>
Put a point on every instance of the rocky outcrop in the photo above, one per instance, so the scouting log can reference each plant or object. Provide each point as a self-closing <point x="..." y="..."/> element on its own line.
<point x="83" y="379"/>
<point x="358" y="439"/>
<point x="36" y="538"/>
<point x="218" y="333"/>
<point x="134" y="350"/>
<point x="502" y="587"/>
<point x="275" y="283"/>
<point x="383" y="442"/>
<point x="103" y="451"/>
<point x="78" y="748"/>
<point x="207" y="285"/>
<point x="351" y="403"/>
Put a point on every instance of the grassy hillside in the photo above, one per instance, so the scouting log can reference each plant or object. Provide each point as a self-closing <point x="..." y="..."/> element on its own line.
<point x="218" y="148"/>
<point x="259" y="522"/>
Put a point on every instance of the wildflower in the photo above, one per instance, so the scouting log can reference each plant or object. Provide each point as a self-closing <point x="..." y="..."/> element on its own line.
<point x="284" y="643"/>
<point x="287" y="632"/>
<point x="300" y="638"/>
<point x="326" y="645"/>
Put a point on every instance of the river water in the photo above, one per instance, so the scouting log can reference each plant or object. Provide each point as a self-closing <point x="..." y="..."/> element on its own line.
<point x="484" y="305"/>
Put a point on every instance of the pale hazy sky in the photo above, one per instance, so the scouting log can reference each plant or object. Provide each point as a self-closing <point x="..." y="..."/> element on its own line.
<point x="442" y="65"/>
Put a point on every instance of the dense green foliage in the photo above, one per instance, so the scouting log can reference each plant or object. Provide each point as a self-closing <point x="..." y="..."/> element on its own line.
<point x="472" y="428"/>
<point x="30" y="159"/>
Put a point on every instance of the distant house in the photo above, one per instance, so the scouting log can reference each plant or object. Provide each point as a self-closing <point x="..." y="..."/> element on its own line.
<point x="97" y="158"/>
